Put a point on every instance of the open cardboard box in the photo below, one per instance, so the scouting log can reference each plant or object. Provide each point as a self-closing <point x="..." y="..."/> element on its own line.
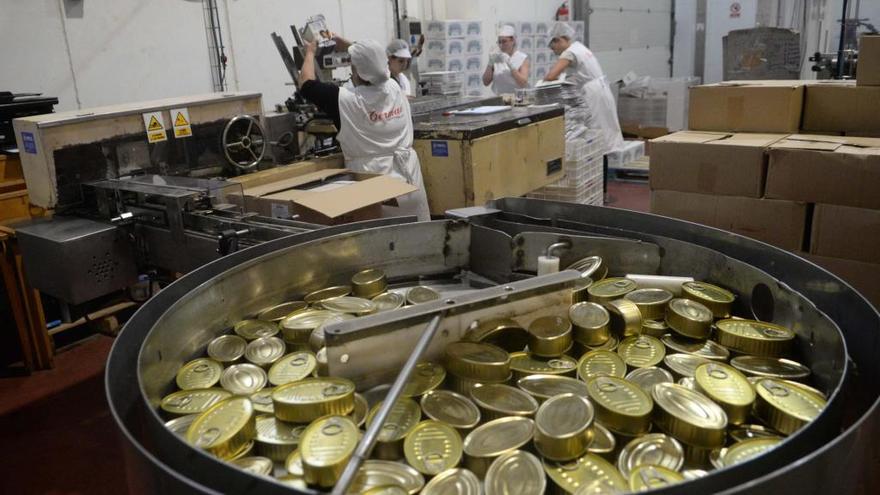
<point x="327" y="196"/>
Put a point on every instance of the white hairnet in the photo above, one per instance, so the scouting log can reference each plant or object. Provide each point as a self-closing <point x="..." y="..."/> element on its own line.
<point x="507" y="31"/>
<point x="562" y="29"/>
<point x="398" y="48"/>
<point x="369" y="59"/>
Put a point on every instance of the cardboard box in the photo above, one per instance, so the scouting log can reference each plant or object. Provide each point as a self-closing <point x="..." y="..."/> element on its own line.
<point x="747" y="106"/>
<point x="869" y="61"/>
<point x="288" y="171"/>
<point x="329" y="196"/>
<point x="841" y="107"/>
<point x="777" y="222"/>
<point x="711" y="162"/>
<point x="825" y="169"/>
<point x="863" y="277"/>
<point x="846" y="232"/>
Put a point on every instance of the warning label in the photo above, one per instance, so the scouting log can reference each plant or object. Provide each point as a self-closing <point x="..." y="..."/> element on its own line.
<point x="182" y="127"/>
<point x="155" y="124"/>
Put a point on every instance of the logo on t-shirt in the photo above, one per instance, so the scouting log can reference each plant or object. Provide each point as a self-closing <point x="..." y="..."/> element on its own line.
<point x="384" y="116"/>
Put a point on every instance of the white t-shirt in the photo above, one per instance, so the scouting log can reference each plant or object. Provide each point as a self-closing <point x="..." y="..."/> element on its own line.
<point x="502" y="80"/>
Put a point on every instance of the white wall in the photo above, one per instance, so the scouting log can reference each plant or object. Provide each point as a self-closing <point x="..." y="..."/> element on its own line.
<point x="631" y="35"/>
<point x="684" y="44"/>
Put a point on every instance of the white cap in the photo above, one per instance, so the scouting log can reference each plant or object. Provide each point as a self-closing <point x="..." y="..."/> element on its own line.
<point x="507" y="31"/>
<point x="398" y="48"/>
<point x="370" y="60"/>
<point x="562" y="29"/>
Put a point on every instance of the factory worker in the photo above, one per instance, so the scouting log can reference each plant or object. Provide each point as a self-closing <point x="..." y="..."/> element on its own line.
<point x="581" y="68"/>
<point x="374" y="120"/>
<point x="399" y="58"/>
<point x="508" y="67"/>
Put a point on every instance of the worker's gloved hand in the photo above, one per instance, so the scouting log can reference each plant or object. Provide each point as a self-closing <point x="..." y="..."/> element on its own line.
<point x="505" y="59"/>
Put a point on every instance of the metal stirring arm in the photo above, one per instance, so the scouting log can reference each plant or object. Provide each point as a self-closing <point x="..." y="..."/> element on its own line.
<point x="366" y="444"/>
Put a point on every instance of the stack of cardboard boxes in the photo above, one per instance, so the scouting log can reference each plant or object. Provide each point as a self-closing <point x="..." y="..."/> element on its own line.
<point x="792" y="163"/>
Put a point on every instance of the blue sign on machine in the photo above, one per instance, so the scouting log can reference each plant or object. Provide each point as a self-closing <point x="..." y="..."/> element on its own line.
<point x="439" y="148"/>
<point x="29" y="142"/>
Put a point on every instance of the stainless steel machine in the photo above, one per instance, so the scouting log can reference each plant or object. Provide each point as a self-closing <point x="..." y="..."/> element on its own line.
<point x="485" y="257"/>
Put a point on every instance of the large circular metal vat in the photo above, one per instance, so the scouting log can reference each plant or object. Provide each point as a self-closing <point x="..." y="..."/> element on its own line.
<point x="838" y="330"/>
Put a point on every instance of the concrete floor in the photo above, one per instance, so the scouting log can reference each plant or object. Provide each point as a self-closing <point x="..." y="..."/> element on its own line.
<point x="55" y="427"/>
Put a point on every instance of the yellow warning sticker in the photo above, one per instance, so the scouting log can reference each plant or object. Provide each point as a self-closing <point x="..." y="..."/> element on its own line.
<point x="182" y="127"/>
<point x="155" y="125"/>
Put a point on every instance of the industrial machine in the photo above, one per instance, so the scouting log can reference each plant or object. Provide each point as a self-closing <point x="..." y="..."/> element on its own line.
<point x="485" y="259"/>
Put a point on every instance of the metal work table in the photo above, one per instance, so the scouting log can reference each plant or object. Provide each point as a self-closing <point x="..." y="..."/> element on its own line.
<point x="435" y="125"/>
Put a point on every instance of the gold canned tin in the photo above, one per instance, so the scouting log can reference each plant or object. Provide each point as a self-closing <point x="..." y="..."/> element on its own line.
<point x="689" y="416"/>
<point x="524" y="364"/>
<point x="404" y="416"/>
<point x="641" y="351"/>
<point x="254" y="329"/>
<point x="550" y="336"/>
<point x="718" y="299"/>
<point x="748" y="449"/>
<point x="385" y="490"/>
<point x="294" y="464"/>
<point x="477" y="361"/>
<point x="604" y="443"/>
<point x="374" y="473"/>
<point x="227" y="349"/>
<point x="296" y="482"/>
<point x="316" y="297"/>
<point x="199" y="373"/>
<point x="421" y="294"/>
<point x="318" y="339"/>
<point x="580" y="291"/>
<point x="647" y="377"/>
<point x="369" y="283"/>
<point x="698" y="457"/>
<point x="649" y="477"/>
<point x="609" y="289"/>
<point x="292" y="367"/>
<point x="755" y="379"/>
<point x="360" y="411"/>
<point x="265" y="351"/>
<point x="591" y="267"/>
<point x="224" y="428"/>
<point x="497" y="401"/>
<point x="504" y="333"/>
<point x="277" y="313"/>
<point x="626" y="319"/>
<point x="688" y="383"/>
<point x="323" y="368"/>
<point x="693" y="474"/>
<point x="728" y="388"/>
<point x="703" y="348"/>
<point x="298" y="327"/>
<point x="262" y="400"/>
<point x="651" y="302"/>
<point x="745" y="432"/>
<point x="246" y="450"/>
<point x="562" y="427"/>
<point x="769" y="367"/>
<point x="495" y="438"/>
<point x="276" y="439"/>
<point x="195" y="401"/>
<point x="683" y="365"/>
<point x="754" y="337"/>
<point x="425" y="377"/>
<point x="325" y="447"/>
<point x="243" y="379"/>
<point x="178" y="426"/>
<point x="608" y="345"/>
<point x="258" y="465"/>
<point x="655" y="328"/>
<point x="598" y="363"/>
<point x="451" y="408"/>
<point x="357" y="306"/>
<point x="464" y="386"/>
<point x="621" y="406"/>
<point x="432" y="447"/>
<point x="389" y="301"/>
<point x="543" y="387"/>
<point x="308" y="399"/>
<point x="457" y="481"/>
<point x="689" y="318"/>
<point x="589" y="472"/>
<point x="591" y="323"/>
<point x="654" y="449"/>
<point x="786" y="407"/>
<point x="515" y="472"/>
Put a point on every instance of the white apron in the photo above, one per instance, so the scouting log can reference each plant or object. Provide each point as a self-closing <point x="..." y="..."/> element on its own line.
<point x="376" y="136"/>
<point x="502" y="80"/>
<point x="601" y="113"/>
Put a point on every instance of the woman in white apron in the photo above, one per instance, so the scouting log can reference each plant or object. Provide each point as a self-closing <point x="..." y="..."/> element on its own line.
<point x="374" y="121"/>
<point x="508" y="67"/>
<point x="582" y="69"/>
